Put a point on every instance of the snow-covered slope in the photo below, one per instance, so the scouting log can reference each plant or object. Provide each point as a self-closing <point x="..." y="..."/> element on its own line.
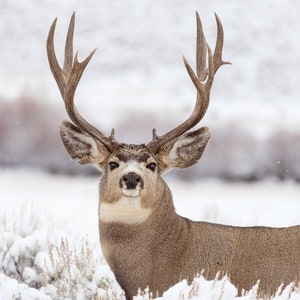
<point x="138" y="61"/>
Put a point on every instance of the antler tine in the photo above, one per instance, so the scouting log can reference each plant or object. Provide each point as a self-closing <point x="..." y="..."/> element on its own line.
<point x="201" y="50"/>
<point x="202" y="81"/>
<point x="218" y="61"/>
<point x="68" y="78"/>
<point x="54" y="65"/>
<point x="69" y="47"/>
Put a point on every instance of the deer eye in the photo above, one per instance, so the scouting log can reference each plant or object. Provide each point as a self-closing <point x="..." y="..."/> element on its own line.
<point x="151" y="166"/>
<point x="113" y="165"/>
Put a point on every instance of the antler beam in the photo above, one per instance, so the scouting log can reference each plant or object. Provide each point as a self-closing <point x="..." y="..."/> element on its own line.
<point x="67" y="80"/>
<point x="203" y="82"/>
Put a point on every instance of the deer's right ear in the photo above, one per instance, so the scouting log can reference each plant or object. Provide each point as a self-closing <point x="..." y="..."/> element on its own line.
<point x="81" y="147"/>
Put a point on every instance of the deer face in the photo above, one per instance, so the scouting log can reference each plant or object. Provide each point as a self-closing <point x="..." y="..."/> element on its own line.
<point x="130" y="185"/>
<point x="131" y="174"/>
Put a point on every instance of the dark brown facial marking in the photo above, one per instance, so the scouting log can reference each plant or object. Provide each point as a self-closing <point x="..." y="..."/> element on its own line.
<point x="139" y="157"/>
<point x="138" y="153"/>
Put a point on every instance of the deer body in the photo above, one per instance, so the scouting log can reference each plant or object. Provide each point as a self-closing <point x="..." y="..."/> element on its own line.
<point x="165" y="248"/>
<point x="143" y="239"/>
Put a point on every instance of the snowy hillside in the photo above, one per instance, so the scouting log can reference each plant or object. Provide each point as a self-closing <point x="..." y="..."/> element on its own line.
<point x="138" y="61"/>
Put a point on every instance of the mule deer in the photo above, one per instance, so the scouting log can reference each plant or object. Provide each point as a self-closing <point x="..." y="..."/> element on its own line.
<point x="143" y="239"/>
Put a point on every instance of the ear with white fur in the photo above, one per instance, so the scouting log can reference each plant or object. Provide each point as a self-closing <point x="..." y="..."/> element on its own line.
<point x="81" y="147"/>
<point x="185" y="150"/>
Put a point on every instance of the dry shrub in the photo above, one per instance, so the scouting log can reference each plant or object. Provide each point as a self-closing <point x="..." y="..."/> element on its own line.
<point x="71" y="272"/>
<point x="284" y="154"/>
<point x="22" y="239"/>
<point x="29" y="136"/>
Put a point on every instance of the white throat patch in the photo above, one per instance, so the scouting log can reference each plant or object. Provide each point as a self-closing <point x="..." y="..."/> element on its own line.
<point x="128" y="210"/>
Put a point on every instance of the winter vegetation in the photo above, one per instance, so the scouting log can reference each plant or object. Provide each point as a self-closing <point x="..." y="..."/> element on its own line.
<point x="30" y="138"/>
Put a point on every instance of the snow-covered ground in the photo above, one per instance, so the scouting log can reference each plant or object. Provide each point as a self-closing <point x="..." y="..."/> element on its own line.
<point x="38" y="210"/>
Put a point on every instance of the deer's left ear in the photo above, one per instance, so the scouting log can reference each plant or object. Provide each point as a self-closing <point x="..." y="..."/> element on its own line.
<point x="185" y="150"/>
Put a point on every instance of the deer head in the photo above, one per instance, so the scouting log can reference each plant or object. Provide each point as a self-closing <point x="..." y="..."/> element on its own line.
<point x="133" y="169"/>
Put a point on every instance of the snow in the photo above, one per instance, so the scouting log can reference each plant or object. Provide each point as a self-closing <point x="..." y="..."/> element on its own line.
<point x="50" y="221"/>
<point x="11" y="289"/>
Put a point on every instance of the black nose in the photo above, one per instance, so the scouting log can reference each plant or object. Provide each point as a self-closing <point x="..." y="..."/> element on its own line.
<point x="131" y="180"/>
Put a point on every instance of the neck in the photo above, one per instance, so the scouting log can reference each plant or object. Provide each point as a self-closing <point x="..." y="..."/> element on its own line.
<point x="130" y="214"/>
<point x="130" y="248"/>
<point x="138" y="209"/>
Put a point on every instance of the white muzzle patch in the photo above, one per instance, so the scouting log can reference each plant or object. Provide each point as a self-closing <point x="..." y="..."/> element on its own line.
<point x="131" y="192"/>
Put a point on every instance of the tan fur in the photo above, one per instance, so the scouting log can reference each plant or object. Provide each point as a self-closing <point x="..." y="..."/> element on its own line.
<point x="167" y="247"/>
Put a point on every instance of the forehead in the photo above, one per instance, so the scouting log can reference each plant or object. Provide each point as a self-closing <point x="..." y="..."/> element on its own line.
<point x="138" y="153"/>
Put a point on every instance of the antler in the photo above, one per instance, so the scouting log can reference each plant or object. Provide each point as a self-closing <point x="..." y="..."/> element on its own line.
<point x="67" y="80"/>
<point x="202" y="81"/>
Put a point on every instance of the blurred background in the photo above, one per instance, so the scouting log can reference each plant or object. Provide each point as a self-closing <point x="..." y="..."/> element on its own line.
<point x="136" y="81"/>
